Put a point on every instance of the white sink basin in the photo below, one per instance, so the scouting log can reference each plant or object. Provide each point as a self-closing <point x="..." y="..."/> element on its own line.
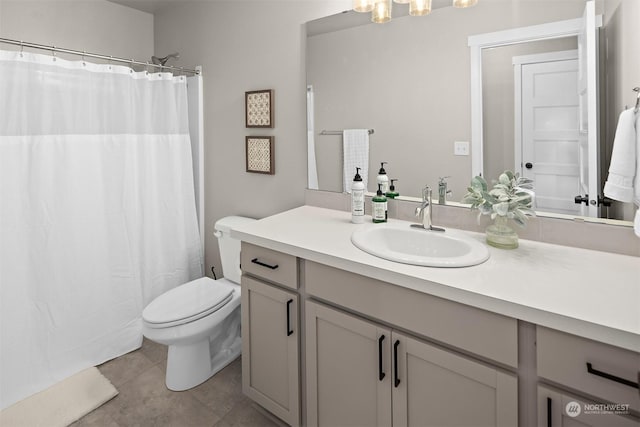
<point x="416" y="246"/>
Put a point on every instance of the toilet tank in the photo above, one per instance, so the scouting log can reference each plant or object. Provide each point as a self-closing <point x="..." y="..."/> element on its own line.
<point x="230" y="247"/>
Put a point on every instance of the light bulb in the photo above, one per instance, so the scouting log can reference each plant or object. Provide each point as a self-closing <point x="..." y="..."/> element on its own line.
<point x="419" y="7"/>
<point x="363" y="5"/>
<point x="381" y="12"/>
<point x="464" y="3"/>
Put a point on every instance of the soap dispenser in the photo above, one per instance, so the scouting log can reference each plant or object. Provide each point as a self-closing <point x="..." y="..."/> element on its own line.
<point x="383" y="179"/>
<point x="357" y="199"/>
<point x="392" y="193"/>
<point x="379" y="206"/>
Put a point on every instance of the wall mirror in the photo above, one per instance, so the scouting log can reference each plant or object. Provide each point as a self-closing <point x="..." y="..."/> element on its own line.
<point x="409" y="80"/>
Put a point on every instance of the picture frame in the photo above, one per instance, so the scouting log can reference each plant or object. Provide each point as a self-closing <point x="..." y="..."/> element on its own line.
<point x="259" y="108"/>
<point x="260" y="155"/>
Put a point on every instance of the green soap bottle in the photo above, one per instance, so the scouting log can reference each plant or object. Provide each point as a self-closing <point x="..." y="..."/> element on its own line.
<point x="392" y="193"/>
<point x="379" y="206"/>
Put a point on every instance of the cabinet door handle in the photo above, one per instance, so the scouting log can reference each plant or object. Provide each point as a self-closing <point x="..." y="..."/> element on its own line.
<point x="593" y="371"/>
<point x="264" y="264"/>
<point x="289" y="330"/>
<point x="381" y="374"/>
<point x="549" y="419"/>
<point x="396" y="381"/>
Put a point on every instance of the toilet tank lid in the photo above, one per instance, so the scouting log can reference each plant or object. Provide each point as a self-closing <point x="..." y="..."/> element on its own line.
<point x="230" y="222"/>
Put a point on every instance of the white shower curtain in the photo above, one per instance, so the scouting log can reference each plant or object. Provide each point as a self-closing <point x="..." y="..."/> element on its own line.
<point x="97" y="212"/>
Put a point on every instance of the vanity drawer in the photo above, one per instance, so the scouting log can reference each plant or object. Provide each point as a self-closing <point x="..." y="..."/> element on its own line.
<point x="489" y="335"/>
<point x="563" y="359"/>
<point x="270" y="265"/>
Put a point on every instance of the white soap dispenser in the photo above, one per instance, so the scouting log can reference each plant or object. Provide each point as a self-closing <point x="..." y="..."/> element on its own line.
<point x="357" y="199"/>
<point x="383" y="179"/>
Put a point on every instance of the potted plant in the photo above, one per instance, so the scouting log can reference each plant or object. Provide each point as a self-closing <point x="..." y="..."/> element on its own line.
<point x="510" y="198"/>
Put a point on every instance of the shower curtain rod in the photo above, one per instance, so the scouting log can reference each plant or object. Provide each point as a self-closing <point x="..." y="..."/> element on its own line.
<point x="95" y="55"/>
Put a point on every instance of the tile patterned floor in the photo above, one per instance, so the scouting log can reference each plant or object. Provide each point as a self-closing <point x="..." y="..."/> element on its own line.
<point x="144" y="400"/>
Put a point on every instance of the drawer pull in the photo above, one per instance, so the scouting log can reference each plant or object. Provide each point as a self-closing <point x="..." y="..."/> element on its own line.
<point x="593" y="371"/>
<point x="289" y="330"/>
<point x="381" y="374"/>
<point x="396" y="382"/>
<point x="255" y="261"/>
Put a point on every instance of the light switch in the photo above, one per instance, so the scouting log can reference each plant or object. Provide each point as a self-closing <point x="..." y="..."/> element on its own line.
<point x="461" y="148"/>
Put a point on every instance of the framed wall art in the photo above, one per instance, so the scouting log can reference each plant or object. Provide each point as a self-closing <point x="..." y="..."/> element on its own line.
<point x="259" y="108"/>
<point x="260" y="154"/>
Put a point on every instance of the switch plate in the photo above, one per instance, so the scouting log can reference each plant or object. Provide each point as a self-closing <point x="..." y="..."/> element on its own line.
<point x="461" y="148"/>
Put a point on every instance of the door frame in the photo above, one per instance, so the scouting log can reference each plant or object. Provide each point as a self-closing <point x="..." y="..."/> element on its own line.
<point x="477" y="43"/>
<point x="518" y="62"/>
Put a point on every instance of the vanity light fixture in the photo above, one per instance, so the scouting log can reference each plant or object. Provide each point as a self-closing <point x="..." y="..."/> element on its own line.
<point x="381" y="12"/>
<point x="464" y="3"/>
<point x="363" y="5"/>
<point x="381" y="9"/>
<point x="419" y="7"/>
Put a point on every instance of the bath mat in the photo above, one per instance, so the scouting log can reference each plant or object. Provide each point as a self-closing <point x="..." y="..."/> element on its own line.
<point x="62" y="403"/>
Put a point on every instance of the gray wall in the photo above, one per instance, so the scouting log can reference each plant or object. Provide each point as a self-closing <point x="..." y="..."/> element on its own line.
<point x="96" y="26"/>
<point x="242" y="46"/>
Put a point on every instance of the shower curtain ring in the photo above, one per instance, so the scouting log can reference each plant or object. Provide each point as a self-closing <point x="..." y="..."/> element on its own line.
<point x="131" y="66"/>
<point x="53" y="52"/>
<point x="146" y="68"/>
<point x="84" y="64"/>
<point x="21" y="49"/>
<point x="110" y="60"/>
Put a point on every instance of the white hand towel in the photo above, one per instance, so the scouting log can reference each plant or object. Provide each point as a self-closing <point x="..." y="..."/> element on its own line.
<point x="355" y="145"/>
<point x="624" y="160"/>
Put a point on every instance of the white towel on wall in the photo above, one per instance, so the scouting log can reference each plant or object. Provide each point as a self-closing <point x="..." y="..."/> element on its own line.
<point x="623" y="182"/>
<point x="622" y="169"/>
<point x="355" y="145"/>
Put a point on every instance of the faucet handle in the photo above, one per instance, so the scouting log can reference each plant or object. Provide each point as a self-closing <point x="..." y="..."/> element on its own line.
<point x="426" y="193"/>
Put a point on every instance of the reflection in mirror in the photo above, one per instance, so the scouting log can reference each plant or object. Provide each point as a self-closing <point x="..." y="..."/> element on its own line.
<point x="409" y="80"/>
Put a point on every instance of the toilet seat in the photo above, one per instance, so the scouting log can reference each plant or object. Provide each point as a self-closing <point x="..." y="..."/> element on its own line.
<point x="187" y="303"/>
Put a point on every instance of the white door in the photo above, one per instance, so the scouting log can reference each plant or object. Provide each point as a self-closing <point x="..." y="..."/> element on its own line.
<point x="550" y="131"/>
<point x="588" y="93"/>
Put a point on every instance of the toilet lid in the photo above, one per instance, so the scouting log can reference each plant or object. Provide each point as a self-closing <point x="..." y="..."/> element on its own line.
<point x="188" y="302"/>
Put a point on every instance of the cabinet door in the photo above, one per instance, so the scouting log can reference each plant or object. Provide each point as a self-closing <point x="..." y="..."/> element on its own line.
<point x="556" y="409"/>
<point x="434" y="387"/>
<point x="270" y="353"/>
<point x="348" y="369"/>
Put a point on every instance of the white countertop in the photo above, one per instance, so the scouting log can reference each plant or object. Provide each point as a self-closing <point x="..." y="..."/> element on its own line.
<point x="588" y="293"/>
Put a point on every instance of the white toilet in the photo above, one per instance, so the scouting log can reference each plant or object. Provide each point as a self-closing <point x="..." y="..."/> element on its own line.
<point x="200" y="320"/>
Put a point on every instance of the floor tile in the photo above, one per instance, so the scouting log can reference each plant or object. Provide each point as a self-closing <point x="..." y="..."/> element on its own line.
<point x="124" y="368"/>
<point x="145" y="401"/>
<point x="153" y="351"/>
<point x="223" y="391"/>
<point x="244" y="414"/>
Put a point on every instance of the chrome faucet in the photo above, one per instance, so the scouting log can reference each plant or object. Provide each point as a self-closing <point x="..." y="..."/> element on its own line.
<point x="424" y="211"/>
<point x="442" y="190"/>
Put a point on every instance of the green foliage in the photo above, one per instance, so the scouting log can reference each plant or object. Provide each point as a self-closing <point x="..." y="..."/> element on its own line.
<point x="511" y="197"/>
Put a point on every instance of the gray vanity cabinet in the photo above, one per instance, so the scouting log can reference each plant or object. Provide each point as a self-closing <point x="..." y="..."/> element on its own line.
<point x="362" y="373"/>
<point x="345" y="358"/>
<point x="270" y="332"/>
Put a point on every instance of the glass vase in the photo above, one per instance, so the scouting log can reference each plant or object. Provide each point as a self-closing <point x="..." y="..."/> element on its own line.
<point x="501" y="235"/>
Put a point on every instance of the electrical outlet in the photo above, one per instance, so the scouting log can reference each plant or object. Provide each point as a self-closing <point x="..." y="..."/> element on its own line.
<point x="461" y="148"/>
